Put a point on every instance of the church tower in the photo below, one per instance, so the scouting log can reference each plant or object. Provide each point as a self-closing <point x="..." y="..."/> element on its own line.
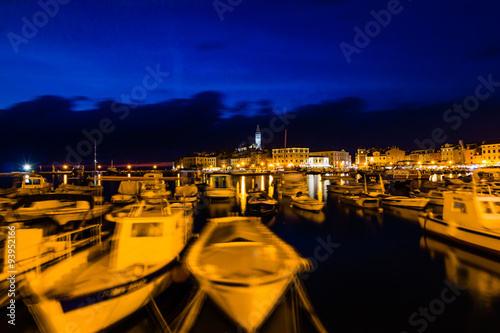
<point x="257" y="138"/>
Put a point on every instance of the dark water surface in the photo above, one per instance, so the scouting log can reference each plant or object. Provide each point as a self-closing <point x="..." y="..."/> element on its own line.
<point x="373" y="272"/>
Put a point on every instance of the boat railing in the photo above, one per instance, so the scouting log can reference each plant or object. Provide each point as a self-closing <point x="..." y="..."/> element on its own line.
<point x="63" y="245"/>
<point x="60" y="247"/>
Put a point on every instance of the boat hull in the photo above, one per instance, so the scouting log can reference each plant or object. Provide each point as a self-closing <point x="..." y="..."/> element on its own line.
<point x="248" y="306"/>
<point x="308" y="206"/>
<point x="481" y="239"/>
<point x="94" y="312"/>
<point x="366" y="203"/>
<point x="261" y="207"/>
<point x="404" y="202"/>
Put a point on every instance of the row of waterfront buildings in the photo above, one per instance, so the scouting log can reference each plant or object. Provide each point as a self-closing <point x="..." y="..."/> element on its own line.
<point x="255" y="157"/>
<point x="486" y="153"/>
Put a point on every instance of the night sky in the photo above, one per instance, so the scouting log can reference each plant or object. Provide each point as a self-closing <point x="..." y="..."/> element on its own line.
<point x="155" y="80"/>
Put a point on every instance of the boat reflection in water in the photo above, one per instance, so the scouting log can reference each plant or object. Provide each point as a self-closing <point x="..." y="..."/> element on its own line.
<point x="405" y="213"/>
<point x="317" y="217"/>
<point x="481" y="275"/>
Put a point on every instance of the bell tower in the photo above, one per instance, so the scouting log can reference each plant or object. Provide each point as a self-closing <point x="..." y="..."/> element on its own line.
<point x="257" y="138"/>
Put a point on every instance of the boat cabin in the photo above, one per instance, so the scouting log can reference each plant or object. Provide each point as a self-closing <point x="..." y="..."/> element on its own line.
<point x="474" y="210"/>
<point x="33" y="182"/>
<point x="220" y="181"/>
<point x="147" y="235"/>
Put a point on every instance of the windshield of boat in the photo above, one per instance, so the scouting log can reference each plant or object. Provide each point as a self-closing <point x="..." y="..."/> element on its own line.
<point x="147" y="230"/>
<point x="489" y="207"/>
<point x="32" y="181"/>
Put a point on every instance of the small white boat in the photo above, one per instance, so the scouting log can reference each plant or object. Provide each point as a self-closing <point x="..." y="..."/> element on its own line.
<point x="154" y="190"/>
<point x="471" y="218"/>
<point x="305" y="202"/>
<point x="34" y="184"/>
<point x="220" y="187"/>
<point x="354" y="189"/>
<point x="128" y="192"/>
<point x="62" y="208"/>
<point x="244" y="268"/>
<point x="292" y="183"/>
<point x="187" y="193"/>
<point x="93" y="190"/>
<point x="436" y="197"/>
<point x="361" y="201"/>
<point x="111" y="285"/>
<point x="405" y="202"/>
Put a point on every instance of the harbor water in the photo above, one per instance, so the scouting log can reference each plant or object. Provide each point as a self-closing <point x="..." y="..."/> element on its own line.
<point x="372" y="271"/>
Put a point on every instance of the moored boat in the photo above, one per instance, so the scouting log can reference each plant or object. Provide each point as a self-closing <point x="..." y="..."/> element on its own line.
<point x="262" y="204"/>
<point x="470" y="218"/>
<point x="153" y="188"/>
<point x="33" y="184"/>
<point x="187" y="193"/>
<point x="63" y="209"/>
<point x="111" y="285"/>
<point x="292" y="183"/>
<point x="354" y="189"/>
<point x="128" y="192"/>
<point x="405" y="202"/>
<point x="305" y="202"/>
<point x="244" y="268"/>
<point x="361" y="201"/>
<point x="35" y="251"/>
<point x="220" y="187"/>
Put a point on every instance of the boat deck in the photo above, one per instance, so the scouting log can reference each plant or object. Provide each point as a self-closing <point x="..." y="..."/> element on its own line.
<point x="223" y="261"/>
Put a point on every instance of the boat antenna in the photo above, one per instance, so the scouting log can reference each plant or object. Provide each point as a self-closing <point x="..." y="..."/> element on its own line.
<point x="95" y="162"/>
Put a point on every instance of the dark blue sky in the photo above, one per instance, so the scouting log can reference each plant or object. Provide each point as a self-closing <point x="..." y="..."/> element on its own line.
<point x="261" y="55"/>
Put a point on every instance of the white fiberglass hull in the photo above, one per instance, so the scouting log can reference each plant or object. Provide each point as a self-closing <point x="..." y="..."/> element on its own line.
<point x="244" y="268"/>
<point x="482" y="238"/>
<point x="363" y="202"/>
<point x="247" y="305"/>
<point x="99" y="310"/>
<point x="308" y="204"/>
<point x="405" y="202"/>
